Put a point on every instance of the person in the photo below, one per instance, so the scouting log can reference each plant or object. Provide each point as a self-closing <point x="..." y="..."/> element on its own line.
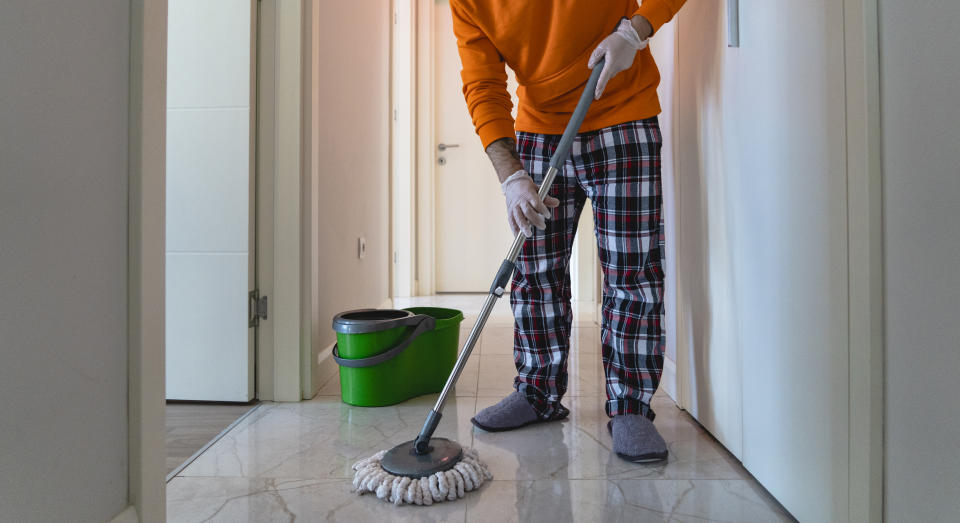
<point x="615" y="162"/>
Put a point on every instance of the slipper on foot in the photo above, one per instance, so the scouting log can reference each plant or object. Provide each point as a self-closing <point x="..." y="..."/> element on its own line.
<point x="636" y="439"/>
<point x="512" y="412"/>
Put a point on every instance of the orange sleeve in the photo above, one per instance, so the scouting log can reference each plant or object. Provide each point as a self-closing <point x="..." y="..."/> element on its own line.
<point x="484" y="79"/>
<point x="659" y="12"/>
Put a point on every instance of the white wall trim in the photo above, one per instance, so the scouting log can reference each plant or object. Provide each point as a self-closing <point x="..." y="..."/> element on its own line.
<point x="865" y="260"/>
<point x="309" y="196"/>
<point x="266" y="145"/>
<point x="280" y="188"/>
<point x="146" y="259"/>
<point x="266" y="50"/>
<point x="403" y="140"/>
<point x="288" y="365"/>
<point x="425" y="238"/>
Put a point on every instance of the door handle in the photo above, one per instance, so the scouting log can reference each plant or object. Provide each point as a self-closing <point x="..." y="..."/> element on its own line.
<point x="445" y="146"/>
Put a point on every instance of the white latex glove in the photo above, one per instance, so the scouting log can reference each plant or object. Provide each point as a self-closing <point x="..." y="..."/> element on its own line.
<point x="524" y="208"/>
<point x="618" y="51"/>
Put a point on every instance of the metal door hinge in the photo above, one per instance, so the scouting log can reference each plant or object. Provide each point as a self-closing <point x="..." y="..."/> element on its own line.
<point x="257" y="308"/>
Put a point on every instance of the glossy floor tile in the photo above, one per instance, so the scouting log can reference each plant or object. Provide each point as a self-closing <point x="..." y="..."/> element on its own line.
<point x="190" y="426"/>
<point x="292" y="461"/>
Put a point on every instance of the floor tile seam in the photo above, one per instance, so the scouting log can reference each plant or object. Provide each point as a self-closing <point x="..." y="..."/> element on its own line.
<point x="348" y="480"/>
<point x="662" y="480"/>
<point x="338" y="479"/>
<point x="245" y="421"/>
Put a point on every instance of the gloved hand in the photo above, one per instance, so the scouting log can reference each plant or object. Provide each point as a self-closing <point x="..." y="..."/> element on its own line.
<point x="618" y="51"/>
<point x="524" y="208"/>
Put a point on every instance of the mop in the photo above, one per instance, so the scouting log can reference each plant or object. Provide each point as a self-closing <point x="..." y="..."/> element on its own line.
<point x="430" y="470"/>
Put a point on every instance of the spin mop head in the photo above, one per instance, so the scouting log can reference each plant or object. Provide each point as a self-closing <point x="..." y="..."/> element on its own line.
<point x="445" y="474"/>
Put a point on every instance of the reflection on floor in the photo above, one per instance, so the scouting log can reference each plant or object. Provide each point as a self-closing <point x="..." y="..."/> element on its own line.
<point x="190" y="426"/>
<point x="292" y="461"/>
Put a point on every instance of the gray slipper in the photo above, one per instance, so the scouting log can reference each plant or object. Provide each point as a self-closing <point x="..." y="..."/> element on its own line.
<point x="636" y="439"/>
<point x="512" y="412"/>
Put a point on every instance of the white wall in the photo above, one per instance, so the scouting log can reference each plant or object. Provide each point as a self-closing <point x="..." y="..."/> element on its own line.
<point x="761" y="206"/>
<point x="352" y="142"/>
<point x="919" y="53"/>
<point x="63" y="251"/>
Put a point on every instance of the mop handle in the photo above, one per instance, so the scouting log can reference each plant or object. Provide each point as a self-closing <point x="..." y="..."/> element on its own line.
<point x="505" y="273"/>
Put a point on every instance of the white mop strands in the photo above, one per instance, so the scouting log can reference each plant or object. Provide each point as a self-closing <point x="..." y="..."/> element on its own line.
<point x="469" y="474"/>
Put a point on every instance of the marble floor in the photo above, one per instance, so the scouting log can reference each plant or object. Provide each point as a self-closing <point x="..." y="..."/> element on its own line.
<point x="291" y="461"/>
<point x="190" y="426"/>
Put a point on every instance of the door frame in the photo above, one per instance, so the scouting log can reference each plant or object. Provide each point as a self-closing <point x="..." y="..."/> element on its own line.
<point x="284" y="265"/>
<point x="403" y="155"/>
<point x="146" y="273"/>
<point x="864" y="259"/>
<point x="280" y="234"/>
<point x="425" y="240"/>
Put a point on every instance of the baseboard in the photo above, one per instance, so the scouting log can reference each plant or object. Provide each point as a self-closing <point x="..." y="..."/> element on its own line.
<point x="387" y="304"/>
<point x="668" y="379"/>
<point x="129" y="515"/>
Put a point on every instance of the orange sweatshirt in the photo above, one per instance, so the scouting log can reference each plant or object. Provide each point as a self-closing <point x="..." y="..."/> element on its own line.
<point x="547" y="44"/>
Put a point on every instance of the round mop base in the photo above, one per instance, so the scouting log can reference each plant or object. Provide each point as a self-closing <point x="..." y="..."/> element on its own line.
<point x="398" y="487"/>
<point x="403" y="460"/>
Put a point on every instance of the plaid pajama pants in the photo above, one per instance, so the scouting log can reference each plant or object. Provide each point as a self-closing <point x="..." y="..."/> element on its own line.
<point x="618" y="169"/>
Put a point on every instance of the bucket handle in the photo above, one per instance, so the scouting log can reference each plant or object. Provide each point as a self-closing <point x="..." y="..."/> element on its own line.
<point x="424" y="324"/>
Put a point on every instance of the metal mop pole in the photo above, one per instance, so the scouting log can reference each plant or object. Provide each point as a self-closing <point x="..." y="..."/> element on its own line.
<point x="497" y="288"/>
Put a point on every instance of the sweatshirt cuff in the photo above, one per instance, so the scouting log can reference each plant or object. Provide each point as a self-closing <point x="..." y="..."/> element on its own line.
<point x="495" y="130"/>
<point x="655" y="12"/>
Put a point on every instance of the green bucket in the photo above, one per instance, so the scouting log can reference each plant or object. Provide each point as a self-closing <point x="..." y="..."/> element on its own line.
<point x="387" y="356"/>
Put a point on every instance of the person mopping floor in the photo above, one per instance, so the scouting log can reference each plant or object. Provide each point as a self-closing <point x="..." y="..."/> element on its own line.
<point x="615" y="162"/>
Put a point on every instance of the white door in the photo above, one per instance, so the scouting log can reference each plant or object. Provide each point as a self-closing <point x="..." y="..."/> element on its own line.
<point x="762" y="244"/>
<point x="794" y="300"/>
<point x="209" y="241"/>
<point x="470" y="221"/>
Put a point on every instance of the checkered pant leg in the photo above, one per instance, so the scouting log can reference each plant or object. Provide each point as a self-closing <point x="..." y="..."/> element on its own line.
<point x="618" y="168"/>
<point x="540" y="295"/>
